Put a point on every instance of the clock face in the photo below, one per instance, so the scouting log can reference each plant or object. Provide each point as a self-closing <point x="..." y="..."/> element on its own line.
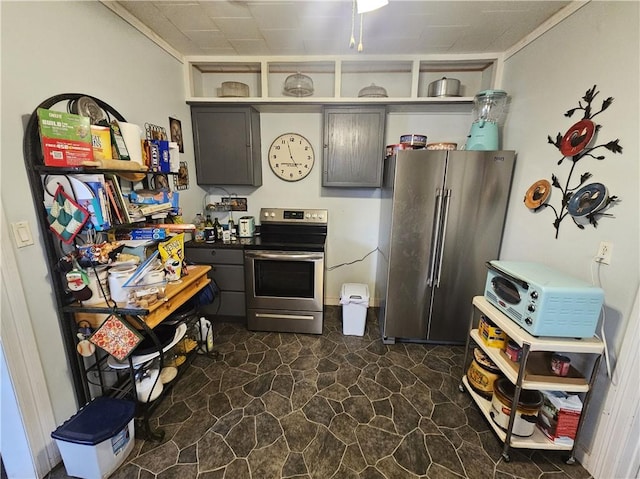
<point x="291" y="157"/>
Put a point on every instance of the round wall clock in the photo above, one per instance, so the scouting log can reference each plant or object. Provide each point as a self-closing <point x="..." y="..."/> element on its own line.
<point x="291" y="157"/>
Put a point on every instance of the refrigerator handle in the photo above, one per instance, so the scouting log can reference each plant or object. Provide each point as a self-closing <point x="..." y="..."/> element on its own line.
<point x="434" y="238"/>
<point x="447" y="197"/>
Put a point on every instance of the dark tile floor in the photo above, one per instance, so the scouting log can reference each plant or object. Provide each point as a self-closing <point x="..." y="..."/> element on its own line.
<point x="302" y="406"/>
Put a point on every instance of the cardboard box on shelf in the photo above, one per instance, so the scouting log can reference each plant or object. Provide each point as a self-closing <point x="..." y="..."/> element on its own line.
<point x="149" y="233"/>
<point x="154" y="197"/>
<point x="559" y="416"/>
<point x="491" y="334"/>
<point x="65" y="138"/>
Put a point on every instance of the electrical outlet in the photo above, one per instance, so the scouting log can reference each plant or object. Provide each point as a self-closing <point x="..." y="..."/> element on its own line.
<point x="604" y="252"/>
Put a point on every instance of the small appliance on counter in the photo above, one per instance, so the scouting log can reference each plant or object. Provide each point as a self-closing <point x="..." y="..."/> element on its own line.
<point x="543" y="301"/>
<point x="488" y="109"/>
<point x="246" y="227"/>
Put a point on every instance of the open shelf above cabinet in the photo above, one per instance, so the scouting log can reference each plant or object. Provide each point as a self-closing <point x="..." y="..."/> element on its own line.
<point x="339" y="80"/>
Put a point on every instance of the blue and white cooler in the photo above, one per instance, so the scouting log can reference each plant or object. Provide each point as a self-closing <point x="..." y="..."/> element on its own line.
<point x="98" y="438"/>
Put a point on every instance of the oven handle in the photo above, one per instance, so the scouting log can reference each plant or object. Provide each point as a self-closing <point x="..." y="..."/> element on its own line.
<point x="284" y="255"/>
<point x="305" y="317"/>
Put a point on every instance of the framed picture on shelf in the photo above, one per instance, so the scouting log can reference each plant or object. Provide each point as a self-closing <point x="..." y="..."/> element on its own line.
<point x="175" y="129"/>
<point x="181" y="180"/>
<point x="160" y="181"/>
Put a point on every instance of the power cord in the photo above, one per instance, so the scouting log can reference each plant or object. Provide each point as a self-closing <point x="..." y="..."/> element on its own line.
<point x="331" y="268"/>
<point x="598" y="283"/>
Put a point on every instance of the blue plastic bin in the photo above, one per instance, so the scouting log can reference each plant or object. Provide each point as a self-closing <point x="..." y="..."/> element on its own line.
<point x="96" y="440"/>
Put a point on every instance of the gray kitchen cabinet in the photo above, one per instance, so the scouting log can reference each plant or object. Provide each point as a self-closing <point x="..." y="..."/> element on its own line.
<point x="227" y="145"/>
<point x="353" y="152"/>
<point x="227" y="271"/>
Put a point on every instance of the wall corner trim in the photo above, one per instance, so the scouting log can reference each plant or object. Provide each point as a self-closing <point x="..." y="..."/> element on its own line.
<point x="554" y="20"/>
<point x="119" y="10"/>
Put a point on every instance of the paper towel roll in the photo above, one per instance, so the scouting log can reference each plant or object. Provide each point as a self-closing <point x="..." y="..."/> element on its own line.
<point x="132" y="135"/>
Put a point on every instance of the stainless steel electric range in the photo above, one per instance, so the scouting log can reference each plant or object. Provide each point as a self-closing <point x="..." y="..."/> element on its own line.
<point x="284" y="271"/>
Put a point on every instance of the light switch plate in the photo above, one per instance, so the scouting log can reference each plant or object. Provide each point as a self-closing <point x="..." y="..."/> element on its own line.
<point x="22" y="234"/>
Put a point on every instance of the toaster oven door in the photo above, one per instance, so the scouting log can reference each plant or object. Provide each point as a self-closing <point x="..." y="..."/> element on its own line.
<point x="506" y="287"/>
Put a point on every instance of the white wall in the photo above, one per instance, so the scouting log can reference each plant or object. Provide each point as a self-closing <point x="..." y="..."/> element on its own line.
<point x="50" y="48"/>
<point x="598" y="45"/>
<point x="14" y="445"/>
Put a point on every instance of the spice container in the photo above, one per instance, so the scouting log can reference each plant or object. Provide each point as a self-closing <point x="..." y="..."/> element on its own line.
<point x="513" y="351"/>
<point x="560" y="365"/>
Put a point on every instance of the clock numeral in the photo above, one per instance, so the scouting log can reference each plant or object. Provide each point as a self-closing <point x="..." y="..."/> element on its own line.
<point x="277" y="147"/>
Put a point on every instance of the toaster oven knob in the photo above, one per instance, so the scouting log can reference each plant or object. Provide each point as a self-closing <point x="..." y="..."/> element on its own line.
<point x="534" y="294"/>
<point x="531" y="308"/>
<point x="528" y="320"/>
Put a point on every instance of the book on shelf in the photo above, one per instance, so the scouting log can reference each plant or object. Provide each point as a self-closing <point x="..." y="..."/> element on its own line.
<point x="134" y="211"/>
<point x="91" y="193"/>
<point x="116" y="200"/>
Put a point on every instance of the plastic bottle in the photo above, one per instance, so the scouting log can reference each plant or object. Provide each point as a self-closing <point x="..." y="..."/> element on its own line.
<point x="199" y="233"/>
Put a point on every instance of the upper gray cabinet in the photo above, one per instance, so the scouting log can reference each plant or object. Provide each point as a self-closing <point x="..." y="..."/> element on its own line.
<point x="227" y="145"/>
<point x="353" y="146"/>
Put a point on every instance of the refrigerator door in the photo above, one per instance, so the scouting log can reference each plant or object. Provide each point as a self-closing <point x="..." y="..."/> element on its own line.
<point x="415" y="201"/>
<point x="477" y="188"/>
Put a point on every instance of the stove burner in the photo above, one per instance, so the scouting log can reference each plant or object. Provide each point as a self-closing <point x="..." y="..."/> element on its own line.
<point x="291" y="230"/>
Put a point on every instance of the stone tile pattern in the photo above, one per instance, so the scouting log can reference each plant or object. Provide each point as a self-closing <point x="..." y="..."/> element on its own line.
<point x="283" y="405"/>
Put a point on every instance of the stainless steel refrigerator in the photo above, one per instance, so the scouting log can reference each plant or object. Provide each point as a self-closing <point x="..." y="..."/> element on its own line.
<point x="441" y="218"/>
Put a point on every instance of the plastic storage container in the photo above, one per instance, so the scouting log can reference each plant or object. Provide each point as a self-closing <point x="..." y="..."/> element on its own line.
<point x="354" y="299"/>
<point x="98" y="438"/>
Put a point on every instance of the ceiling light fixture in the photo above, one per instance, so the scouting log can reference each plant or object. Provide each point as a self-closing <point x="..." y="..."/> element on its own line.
<point x="361" y="7"/>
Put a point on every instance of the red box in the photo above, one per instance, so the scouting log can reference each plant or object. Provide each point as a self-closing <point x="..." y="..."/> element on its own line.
<point x="65" y="138"/>
<point x="559" y="416"/>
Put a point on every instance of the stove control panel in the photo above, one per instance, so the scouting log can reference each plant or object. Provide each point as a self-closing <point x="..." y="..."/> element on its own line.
<point x="293" y="216"/>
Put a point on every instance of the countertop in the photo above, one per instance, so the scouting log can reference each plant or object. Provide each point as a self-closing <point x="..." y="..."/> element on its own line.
<point x="240" y="243"/>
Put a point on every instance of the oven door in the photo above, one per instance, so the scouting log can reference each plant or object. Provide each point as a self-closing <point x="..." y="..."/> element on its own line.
<point x="284" y="280"/>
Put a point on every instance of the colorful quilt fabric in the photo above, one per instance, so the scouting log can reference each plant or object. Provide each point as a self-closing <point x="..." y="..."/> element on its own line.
<point x="66" y="217"/>
<point x="116" y="337"/>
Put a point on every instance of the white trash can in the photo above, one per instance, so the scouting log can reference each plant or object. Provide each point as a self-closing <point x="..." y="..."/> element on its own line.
<point x="354" y="299"/>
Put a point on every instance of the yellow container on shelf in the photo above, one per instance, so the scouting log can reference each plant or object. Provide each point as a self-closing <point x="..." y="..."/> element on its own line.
<point x="491" y="335"/>
<point x="101" y="142"/>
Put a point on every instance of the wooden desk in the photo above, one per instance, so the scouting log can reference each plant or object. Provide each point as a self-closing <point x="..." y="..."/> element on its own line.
<point x="176" y="295"/>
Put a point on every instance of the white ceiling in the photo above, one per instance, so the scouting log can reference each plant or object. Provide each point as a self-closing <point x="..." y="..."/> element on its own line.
<point x="323" y="27"/>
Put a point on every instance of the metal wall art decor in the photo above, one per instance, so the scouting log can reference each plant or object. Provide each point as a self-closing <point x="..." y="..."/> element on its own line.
<point x="155" y="132"/>
<point x="584" y="203"/>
